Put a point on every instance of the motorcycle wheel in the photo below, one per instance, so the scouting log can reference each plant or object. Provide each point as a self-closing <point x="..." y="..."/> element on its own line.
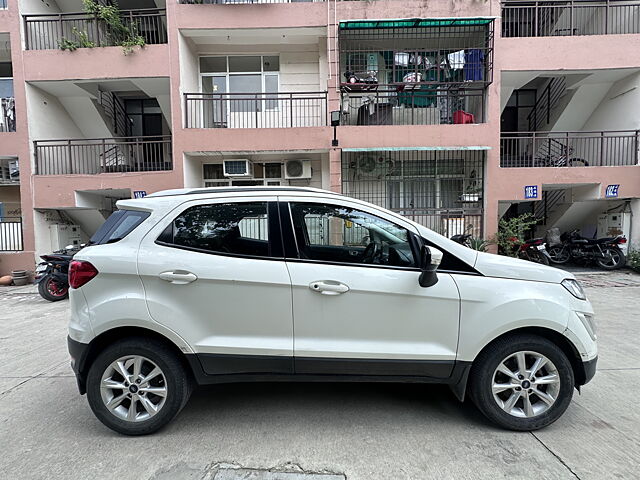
<point x="52" y="291"/>
<point x="541" y="258"/>
<point x="559" y="255"/>
<point x="614" y="259"/>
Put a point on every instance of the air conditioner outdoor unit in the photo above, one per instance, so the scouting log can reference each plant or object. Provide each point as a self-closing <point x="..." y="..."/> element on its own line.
<point x="372" y="166"/>
<point x="296" y="169"/>
<point x="237" y="168"/>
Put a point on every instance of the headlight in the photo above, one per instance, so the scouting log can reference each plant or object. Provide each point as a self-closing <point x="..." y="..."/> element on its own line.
<point x="574" y="288"/>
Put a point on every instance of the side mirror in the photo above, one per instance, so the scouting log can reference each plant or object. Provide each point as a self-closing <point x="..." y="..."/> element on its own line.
<point x="430" y="259"/>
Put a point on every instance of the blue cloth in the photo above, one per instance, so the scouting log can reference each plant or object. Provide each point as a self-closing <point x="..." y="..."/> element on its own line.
<point x="473" y="65"/>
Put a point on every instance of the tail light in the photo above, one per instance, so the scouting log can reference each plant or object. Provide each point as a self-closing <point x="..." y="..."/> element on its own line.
<point x="622" y="240"/>
<point x="80" y="272"/>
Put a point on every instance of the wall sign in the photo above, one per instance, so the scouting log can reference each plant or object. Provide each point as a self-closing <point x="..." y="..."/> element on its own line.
<point x="612" y="191"/>
<point x="531" y="191"/>
<point x="139" y="194"/>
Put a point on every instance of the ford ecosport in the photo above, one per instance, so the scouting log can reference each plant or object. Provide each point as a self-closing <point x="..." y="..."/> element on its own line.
<point x="190" y="287"/>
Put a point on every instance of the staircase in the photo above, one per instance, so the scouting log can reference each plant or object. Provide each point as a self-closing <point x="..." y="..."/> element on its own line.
<point x="549" y="202"/>
<point x="541" y="113"/>
<point x="113" y="108"/>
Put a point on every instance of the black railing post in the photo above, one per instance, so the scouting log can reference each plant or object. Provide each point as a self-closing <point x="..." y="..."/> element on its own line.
<point x="36" y="161"/>
<point x="69" y="152"/>
<point x="601" y="149"/>
<point x="104" y="155"/>
<point x="606" y="18"/>
<point x="637" y="133"/>
<point x="291" y="110"/>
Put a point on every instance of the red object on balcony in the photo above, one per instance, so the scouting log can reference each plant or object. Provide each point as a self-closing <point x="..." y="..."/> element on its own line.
<point x="460" y="116"/>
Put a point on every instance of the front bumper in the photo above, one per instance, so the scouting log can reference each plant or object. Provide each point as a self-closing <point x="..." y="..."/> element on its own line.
<point x="78" y="352"/>
<point x="588" y="371"/>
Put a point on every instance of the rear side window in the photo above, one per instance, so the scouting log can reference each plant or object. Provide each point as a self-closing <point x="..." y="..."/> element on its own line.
<point x="233" y="228"/>
<point x="120" y="224"/>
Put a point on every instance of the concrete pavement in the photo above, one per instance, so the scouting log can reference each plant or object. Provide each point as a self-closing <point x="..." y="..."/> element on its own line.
<point x="357" y="431"/>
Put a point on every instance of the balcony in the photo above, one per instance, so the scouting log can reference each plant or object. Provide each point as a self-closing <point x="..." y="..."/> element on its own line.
<point x="552" y="18"/>
<point x="46" y="31"/>
<point x="9" y="171"/>
<point x="569" y="149"/>
<point x="102" y="155"/>
<point x="11" y="239"/>
<point x="255" y="110"/>
<point x="424" y="105"/>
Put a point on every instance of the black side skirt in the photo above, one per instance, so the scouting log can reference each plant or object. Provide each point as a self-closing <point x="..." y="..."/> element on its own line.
<point x="221" y="368"/>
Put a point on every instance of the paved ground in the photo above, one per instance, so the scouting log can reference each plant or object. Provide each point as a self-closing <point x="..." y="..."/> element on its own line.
<point x="360" y="431"/>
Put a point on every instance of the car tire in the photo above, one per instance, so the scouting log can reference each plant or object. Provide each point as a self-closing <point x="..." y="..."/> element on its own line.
<point x="534" y="407"/>
<point x="155" y="401"/>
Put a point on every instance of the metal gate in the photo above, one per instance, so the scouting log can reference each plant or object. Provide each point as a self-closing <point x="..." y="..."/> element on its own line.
<point x="442" y="190"/>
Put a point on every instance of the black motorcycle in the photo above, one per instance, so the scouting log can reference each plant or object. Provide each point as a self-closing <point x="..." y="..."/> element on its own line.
<point x="52" y="275"/>
<point x="605" y="252"/>
<point x="462" y="239"/>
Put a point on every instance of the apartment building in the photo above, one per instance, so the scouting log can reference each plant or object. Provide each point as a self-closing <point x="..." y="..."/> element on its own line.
<point x="453" y="113"/>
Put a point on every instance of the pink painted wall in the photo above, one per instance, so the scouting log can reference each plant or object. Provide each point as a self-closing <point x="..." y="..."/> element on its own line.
<point x="88" y="63"/>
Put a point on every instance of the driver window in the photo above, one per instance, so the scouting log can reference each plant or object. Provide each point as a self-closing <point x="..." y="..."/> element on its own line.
<point x="342" y="234"/>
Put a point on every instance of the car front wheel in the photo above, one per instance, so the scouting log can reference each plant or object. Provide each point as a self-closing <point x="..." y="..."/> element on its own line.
<point x="522" y="382"/>
<point x="137" y="386"/>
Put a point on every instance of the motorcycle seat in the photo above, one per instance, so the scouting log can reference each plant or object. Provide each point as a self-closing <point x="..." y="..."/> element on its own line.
<point x="583" y="241"/>
<point x="605" y="239"/>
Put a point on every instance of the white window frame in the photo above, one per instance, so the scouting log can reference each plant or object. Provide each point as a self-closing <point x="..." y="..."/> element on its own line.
<point x="229" y="74"/>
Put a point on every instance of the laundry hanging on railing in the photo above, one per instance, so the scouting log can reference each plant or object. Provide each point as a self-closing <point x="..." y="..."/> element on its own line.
<point x="7" y="115"/>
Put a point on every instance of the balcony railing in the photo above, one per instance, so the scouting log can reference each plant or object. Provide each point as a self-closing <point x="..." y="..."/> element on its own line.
<point x="419" y="106"/>
<point x="11" y="234"/>
<point x="45" y="31"/>
<point x="7" y="115"/>
<point x="550" y="18"/>
<point x="243" y="2"/>
<point x="569" y="149"/>
<point x="102" y="155"/>
<point x="255" y="110"/>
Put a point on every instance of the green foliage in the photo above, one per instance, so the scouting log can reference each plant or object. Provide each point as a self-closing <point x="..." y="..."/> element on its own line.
<point x="511" y="233"/>
<point x="478" y="244"/>
<point x="81" y="42"/>
<point x="633" y="260"/>
<point x="110" y="24"/>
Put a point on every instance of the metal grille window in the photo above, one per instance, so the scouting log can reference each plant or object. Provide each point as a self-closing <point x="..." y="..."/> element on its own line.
<point x="419" y="51"/>
<point x="442" y="190"/>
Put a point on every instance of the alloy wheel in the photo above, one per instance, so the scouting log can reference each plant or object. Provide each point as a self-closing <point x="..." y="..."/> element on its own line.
<point x="133" y="388"/>
<point x="525" y="384"/>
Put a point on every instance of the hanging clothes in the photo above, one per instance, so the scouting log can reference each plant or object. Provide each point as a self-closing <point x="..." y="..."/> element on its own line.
<point x="473" y="65"/>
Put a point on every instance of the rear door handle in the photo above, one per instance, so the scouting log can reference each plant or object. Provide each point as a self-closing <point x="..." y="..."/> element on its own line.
<point x="178" y="277"/>
<point x="328" y="287"/>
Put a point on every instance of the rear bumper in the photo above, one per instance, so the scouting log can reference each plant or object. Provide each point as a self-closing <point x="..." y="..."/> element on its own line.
<point x="589" y="370"/>
<point x="78" y="352"/>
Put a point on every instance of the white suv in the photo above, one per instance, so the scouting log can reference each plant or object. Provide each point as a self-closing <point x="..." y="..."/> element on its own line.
<point x="204" y="286"/>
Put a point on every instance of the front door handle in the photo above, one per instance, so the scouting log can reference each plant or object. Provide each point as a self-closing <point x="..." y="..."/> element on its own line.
<point x="178" y="277"/>
<point x="328" y="287"/>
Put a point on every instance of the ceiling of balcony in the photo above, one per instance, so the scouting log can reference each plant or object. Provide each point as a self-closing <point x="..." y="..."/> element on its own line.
<point x="255" y="36"/>
<point x="152" y="87"/>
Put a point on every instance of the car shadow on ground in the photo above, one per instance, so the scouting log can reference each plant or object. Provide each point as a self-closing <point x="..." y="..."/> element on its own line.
<point x="316" y="403"/>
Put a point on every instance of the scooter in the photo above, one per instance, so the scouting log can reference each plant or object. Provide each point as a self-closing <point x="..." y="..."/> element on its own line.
<point x="604" y="252"/>
<point x="52" y="275"/>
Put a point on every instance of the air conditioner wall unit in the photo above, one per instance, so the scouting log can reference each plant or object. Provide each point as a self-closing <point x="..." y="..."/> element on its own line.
<point x="237" y="168"/>
<point x="297" y="169"/>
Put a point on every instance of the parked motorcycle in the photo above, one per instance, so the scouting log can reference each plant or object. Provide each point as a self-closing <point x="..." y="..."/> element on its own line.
<point x="462" y="239"/>
<point x="604" y="252"/>
<point x="52" y="275"/>
<point x="534" y="250"/>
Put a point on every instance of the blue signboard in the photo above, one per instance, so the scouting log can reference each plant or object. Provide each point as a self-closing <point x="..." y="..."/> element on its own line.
<point x="531" y="191"/>
<point x="612" y="191"/>
<point x="139" y="194"/>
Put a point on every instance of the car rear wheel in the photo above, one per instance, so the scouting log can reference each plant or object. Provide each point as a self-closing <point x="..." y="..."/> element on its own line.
<point x="137" y="386"/>
<point x="522" y="382"/>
